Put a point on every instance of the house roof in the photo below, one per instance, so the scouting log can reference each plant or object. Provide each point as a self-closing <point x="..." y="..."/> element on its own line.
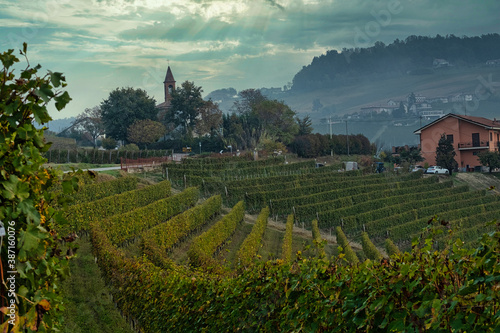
<point x="479" y="121"/>
<point x="169" y="77"/>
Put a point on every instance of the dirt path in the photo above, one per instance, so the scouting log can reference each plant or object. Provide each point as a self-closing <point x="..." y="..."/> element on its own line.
<point x="479" y="181"/>
<point x="304" y="233"/>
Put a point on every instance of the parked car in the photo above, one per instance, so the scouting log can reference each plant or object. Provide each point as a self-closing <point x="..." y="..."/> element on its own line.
<point x="437" y="170"/>
<point x="417" y="168"/>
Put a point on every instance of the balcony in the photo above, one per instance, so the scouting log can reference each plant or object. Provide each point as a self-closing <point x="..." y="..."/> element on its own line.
<point x="473" y="145"/>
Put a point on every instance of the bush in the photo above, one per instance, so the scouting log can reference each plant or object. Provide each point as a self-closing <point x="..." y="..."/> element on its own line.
<point x="129" y="147"/>
<point x="108" y="143"/>
<point x="369" y="248"/>
<point x="346" y="249"/>
<point x="390" y="247"/>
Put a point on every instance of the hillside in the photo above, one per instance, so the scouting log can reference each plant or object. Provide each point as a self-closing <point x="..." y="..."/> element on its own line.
<point x="229" y="254"/>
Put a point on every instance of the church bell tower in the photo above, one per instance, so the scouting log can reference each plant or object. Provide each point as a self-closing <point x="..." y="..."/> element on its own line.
<point x="169" y="86"/>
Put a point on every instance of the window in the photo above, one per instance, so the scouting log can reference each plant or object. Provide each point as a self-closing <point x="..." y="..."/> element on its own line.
<point x="475" y="140"/>
<point x="449" y="137"/>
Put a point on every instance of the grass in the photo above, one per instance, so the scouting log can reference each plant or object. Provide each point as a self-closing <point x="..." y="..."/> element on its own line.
<point x="76" y="166"/>
<point x="88" y="305"/>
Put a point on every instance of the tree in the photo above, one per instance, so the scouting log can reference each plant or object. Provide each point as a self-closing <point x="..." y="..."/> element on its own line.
<point x="490" y="159"/>
<point x="123" y="107"/>
<point x="411" y="156"/>
<point x="90" y="122"/>
<point x="184" y="108"/>
<point x="109" y="143"/>
<point x="210" y="119"/>
<point x="277" y="119"/>
<point x="305" y="125"/>
<point x="400" y="112"/>
<point x="445" y="154"/>
<point x="145" y="131"/>
<point x="31" y="247"/>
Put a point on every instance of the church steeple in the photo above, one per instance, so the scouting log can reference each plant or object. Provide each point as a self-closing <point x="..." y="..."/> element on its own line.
<point x="169" y="85"/>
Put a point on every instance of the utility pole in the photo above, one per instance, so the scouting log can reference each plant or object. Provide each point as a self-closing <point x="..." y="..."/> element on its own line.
<point x="330" y="123"/>
<point x="347" y="137"/>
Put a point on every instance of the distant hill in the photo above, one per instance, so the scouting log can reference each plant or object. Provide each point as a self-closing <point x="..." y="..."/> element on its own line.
<point x="415" y="55"/>
<point x="58" y="125"/>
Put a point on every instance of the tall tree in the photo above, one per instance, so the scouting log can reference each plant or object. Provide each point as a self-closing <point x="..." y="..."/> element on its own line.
<point x="277" y="119"/>
<point x="445" y="154"/>
<point x="144" y="132"/>
<point x="490" y="159"/>
<point x="305" y="125"/>
<point x="123" y="107"/>
<point x="210" y="119"/>
<point x="411" y="156"/>
<point x="185" y="106"/>
<point x="91" y="124"/>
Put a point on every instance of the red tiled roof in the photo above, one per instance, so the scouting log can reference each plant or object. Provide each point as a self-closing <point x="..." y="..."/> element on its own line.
<point x="477" y="120"/>
<point x="482" y="121"/>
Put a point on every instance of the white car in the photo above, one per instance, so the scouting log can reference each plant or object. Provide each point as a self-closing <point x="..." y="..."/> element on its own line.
<point x="417" y="168"/>
<point x="437" y="170"/>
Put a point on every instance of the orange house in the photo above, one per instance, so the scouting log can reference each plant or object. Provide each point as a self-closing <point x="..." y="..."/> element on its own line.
<point x="470" y="136"/>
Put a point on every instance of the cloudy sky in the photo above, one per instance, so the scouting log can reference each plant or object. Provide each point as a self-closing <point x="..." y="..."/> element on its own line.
<point x="101" y="45"/>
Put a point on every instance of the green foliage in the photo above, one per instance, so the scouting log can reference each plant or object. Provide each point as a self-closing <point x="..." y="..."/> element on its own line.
<point x="490" y="159"/>
<point x="101" y="190"/>
<point x="109" y="143"/>
<point x="145" y="131"/>
<point x="390" y="247"/>
<point x="318" y="241"/>
<point x="426" y="290"/>
<point x="204" y="246"/>
<point x="184" y="108"/>
<point x="127" y="226"/>
<point x="315" y="145"/>
<point x="251" y="244"/>
<point x="371" y="252"/>
<point x="31" y="246"/>
<point x="445" y="154"/>
<point x="123" y="107"/>
<point x="81" y="215"/>
<point x="305" y="125"/>
<point x="286" y="252"/>
<point x="129" y="147"/>
<point x="157" y="241"/>
<point x="345" y="248"/>
<point x="284" y="204"/>
<point x="315" y="230"/>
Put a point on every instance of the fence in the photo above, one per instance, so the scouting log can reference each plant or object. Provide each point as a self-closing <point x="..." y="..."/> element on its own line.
<point x="141" y="163"/>
<point x="96" y="156"/>
<point x="151" y="162"/>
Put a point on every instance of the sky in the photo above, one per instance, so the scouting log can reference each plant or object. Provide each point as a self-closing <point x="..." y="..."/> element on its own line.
<point x="102" y="45"/>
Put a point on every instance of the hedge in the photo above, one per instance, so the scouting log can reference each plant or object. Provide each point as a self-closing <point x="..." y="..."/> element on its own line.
<point x="252" y="242"/>
<point x="204" y="246"/>
<point x="96" y="191"/>
<point x="80" y="216"/>
<point x="369" y="249"/>
<point x="284" y="205"/>
<point x="286" y="250"/>
<point x="350" y="255"/>
<point x="159" y="240"/>
<point x="127" y="226"/>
